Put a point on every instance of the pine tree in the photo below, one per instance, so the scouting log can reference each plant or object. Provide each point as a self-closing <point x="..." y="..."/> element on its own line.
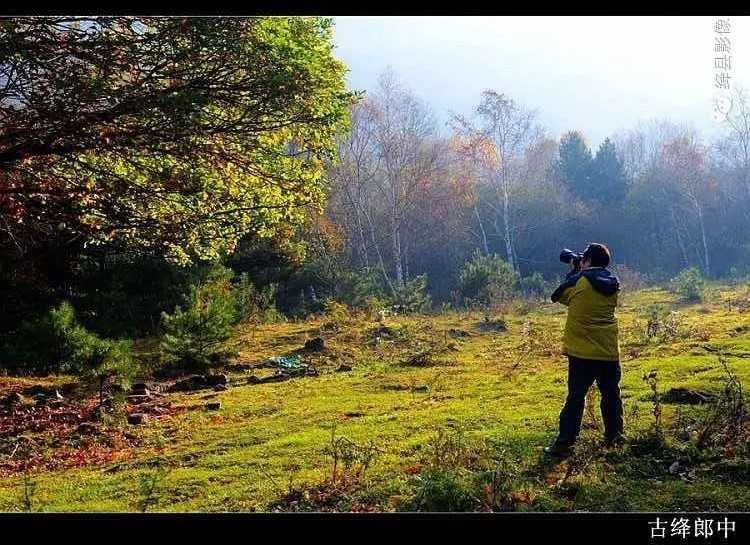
<point x="195" y="337"/>
<point x="609" y="182"/>
<point x="574" y="164"/>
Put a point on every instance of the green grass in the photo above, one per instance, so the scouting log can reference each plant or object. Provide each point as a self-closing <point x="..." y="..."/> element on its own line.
<point x="503" y="390"/>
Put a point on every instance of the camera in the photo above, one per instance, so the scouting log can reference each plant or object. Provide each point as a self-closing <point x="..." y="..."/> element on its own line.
<point x="569" y="256"/>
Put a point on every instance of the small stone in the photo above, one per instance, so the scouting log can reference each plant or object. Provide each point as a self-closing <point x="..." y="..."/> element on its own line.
<point x="220" y="387"/>
<point x="315" y="344"/>
<point x="136" y="418"/>
<point x="138" y="399"/>
<point x="343" y="368"/>
<point x="193" y="382"/>
<point x="421" y="388"/>
<point x="40" y="400"/>
<point x="139" y="388"/>
<point x="687" y="397"/>
<point x="215" y="380"/>
<point x="86" y="428"/>
<point x="241" y="367"/>
<point x="674" y="468"/>
<point x="213" y="406"/>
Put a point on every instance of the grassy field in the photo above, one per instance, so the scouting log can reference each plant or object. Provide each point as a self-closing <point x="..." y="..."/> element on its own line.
<point x="447" y="411"/>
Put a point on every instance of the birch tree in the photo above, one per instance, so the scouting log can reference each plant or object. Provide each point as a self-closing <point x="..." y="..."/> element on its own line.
<point x="504" y="130"/>
<point x="408" y="149"/>
<point x="684" y="159"/>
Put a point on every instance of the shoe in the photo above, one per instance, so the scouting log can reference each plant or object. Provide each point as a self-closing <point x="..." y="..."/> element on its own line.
<point x="616" y="441"/>
<point x="558" y="451"/>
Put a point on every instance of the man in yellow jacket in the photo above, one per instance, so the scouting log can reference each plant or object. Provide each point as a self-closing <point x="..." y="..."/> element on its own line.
<point x="591" y="344"/>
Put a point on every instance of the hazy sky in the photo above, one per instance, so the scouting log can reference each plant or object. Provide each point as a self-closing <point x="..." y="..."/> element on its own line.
<point x="595" y="74"/>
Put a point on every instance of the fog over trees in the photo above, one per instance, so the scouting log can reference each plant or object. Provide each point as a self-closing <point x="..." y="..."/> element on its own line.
<point x="662" y="196"/>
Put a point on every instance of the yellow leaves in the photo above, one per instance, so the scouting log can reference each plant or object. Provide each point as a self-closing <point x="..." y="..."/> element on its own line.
<point x="474" y="149"/>
<point x="488" y="152"/>
<point x="332" y="235"/>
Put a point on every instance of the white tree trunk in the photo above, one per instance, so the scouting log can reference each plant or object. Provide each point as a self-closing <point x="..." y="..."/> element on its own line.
<point x="397" y="262"/>
<point x="699" y="211"/>
<point x="485" y="246"/>
<point x="506" y="221"/>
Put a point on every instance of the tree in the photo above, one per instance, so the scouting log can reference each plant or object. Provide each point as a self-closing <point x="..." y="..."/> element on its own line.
<point x="426" y="194"/>
<point x="653" y="209"/>
<point x="574" y="165"/>
<point x="501" y="136"/>
<point x="684" y="158"/>
<point x="735" y="146"/>
<point x="409" y="153"/>
<point x="167" y="135"/>
<point x="195" y="336"/>
<point x="352" y="180"/>
<point x="609" y="183"/>
<point x="391" y="165"/>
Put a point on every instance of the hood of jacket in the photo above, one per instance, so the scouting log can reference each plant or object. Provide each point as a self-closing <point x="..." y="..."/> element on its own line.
<point x="602" y="280"/>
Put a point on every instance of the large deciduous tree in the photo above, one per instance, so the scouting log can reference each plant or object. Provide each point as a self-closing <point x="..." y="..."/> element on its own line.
<point x="168" y="135"/>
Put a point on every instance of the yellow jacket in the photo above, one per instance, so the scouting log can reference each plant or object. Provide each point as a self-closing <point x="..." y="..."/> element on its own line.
<point x="591" y="328"/>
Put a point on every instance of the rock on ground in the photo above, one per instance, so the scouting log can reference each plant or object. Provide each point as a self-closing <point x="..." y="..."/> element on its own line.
<point x="136" y="418"/>
<point x="687" y="397"/>
<point x="315" y="344"/>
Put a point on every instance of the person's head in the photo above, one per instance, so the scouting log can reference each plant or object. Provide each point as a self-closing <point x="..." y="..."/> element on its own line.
<point x="595" y="255"/>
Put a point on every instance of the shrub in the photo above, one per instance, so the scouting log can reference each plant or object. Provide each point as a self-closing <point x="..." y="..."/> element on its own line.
<point x="630" y="279"/>
<point x="660" y="325"/>
<point x="725" y="425"/>
<point x="496" y="485"/>
<point x="357" y="287"/>
<point x="195" y="336"/>
<point x="689" y="285"/>
<point x="443" y="490"/>
<point x="534" y="285"/>
<point x="337" y="313"/>
<point x="110" y="361"/>
<point x="253" y="304"/>
<point x="376" y="308"/>
<point x="412" y="296"/>
<point x="486" y="278"/>
<point x="56" y="342"/>
<point x="349" y="460"/>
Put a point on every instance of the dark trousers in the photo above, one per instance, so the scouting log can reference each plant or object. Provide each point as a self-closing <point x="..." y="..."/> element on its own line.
<point x="581" y="375"/>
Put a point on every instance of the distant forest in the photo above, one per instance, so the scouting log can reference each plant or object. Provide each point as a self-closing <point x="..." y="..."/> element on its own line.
<point x="660" y="196"/>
